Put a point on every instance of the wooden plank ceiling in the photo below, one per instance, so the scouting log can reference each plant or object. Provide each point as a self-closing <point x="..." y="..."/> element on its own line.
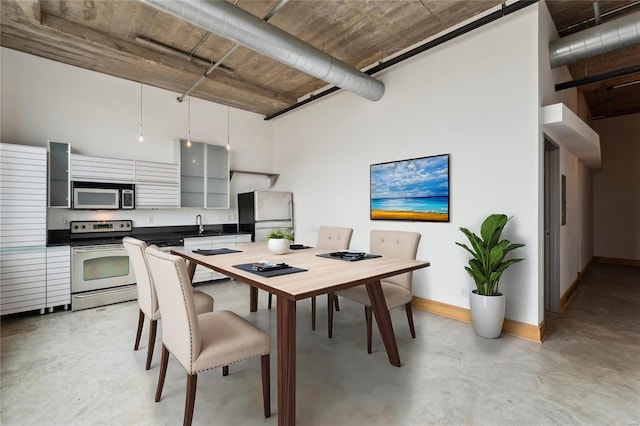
<point x="132" y="40"/>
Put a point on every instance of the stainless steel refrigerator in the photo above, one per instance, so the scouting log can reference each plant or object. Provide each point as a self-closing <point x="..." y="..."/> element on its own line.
<point x="262" y="211"/>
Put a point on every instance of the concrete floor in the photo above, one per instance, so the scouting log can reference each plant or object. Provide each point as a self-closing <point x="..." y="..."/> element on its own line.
<point x="79" y="368"/>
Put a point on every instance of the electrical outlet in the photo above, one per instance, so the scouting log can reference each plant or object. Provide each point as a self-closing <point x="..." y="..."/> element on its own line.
<point x="65" y="221"/>
<point x="463" y="291"/>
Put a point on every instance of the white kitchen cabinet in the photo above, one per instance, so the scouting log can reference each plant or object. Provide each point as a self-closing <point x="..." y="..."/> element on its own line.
<point x="23" y="196"/>
<point x="206" y="243"/>
<point x="58" y="276"/>
<point x="204" y="175"/>
<point x="86" y="168"/>
<point x="157" y="185"/>
<point x="23" y="277"/>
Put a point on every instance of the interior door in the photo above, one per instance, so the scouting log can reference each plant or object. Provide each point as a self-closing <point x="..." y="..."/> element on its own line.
<point x="551" y="227"/>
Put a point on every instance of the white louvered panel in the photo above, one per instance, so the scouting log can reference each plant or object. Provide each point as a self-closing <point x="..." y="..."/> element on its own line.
<point x="98" y="169"/>
<point x="10" y="177"/>
<point x="13" y="307"/>
<point x="22" y="257"/>
<point x="21" y="292"/>
<point x="147" y="171"/>
<point x="149" y="195"/>
<point x="23" y="279"/>
<point x="58" y="276"/>
<point x="25" y="239"/>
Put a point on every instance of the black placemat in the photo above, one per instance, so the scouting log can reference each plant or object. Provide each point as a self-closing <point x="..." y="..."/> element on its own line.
<point x="348" y="256"/>
<point x="274" y="273"/>
<point x="298" y="247"/>
<point x="211" y="252"/>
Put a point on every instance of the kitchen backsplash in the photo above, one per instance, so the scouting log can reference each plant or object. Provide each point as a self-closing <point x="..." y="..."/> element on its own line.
<point x="60" y="218"/>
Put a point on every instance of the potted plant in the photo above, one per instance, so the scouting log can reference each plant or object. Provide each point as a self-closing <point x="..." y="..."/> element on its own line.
<point x="486" y="267"/>
<point x="278" y="241"/>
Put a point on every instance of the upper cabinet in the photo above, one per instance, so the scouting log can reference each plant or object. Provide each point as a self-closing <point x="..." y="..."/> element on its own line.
<point x="99" y="169"/>
<point x="59" y="174"/>
<point x="157" y="185"/>
<point x="204" y="175"/>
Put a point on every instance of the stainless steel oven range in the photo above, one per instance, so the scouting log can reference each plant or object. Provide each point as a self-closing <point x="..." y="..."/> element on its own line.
<point x="101" y="272"/>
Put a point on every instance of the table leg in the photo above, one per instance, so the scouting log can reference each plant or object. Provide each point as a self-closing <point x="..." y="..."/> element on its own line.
<point x="383" y="319"/>
<point x="253" y="299"/>
<point x="191" y="269"/>
<point x="286" y="361"/>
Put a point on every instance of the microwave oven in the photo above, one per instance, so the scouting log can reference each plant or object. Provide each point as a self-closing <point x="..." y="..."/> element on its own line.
<point x="102" y="196"/>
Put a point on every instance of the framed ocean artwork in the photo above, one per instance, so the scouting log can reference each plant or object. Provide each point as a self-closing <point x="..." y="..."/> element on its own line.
<point x="414" y="190"/>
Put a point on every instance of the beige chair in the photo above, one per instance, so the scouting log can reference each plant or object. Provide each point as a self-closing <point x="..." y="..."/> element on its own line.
<point x="205" y="341"/>
<point x="332" y="238"/>
<point x="147" y="300"/>
<point x="397" y="289"/>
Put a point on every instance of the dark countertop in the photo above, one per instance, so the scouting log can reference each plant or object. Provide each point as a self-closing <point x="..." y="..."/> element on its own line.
<point x="161" y="235"/>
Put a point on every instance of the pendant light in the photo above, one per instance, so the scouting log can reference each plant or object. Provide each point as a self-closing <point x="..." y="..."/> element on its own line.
<point x="140" y="136"/>
<point x="189" y="124"/>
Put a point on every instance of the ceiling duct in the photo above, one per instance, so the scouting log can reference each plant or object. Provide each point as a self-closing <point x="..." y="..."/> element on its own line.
<point x="229" y="21"/>
<point x="605" y="38"/>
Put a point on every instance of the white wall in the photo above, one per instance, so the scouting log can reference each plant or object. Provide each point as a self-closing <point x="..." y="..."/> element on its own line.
<point x="476" y="98"/>
<point x="100" y="115"/>
<point x="616" y="189"/>
<point x="575" y="235"/>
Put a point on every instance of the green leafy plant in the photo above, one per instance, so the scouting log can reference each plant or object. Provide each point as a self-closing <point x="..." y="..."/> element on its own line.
<point x="489" y="252"/>
<point x="279" y="234"/>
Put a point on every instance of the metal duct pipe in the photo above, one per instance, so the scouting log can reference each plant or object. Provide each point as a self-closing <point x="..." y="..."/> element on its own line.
<point x="605" y="38"/>
<point x="229" y="21"/>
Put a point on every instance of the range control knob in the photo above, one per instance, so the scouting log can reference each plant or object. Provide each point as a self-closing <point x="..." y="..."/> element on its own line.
<point x="75" y="226"/>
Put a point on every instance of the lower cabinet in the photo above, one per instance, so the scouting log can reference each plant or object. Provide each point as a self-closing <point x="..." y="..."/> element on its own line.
<point x="35" y="278"/>
<point x="23" y="280"/>
<point x="196" y="243"/>
<point x="58" y="276"/>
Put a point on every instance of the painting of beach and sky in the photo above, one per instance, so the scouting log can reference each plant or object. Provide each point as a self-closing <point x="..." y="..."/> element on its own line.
<point x="416" y="189"/>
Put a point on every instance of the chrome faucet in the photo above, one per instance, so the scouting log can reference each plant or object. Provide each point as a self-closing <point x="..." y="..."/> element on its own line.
<point x="199" y="223"/>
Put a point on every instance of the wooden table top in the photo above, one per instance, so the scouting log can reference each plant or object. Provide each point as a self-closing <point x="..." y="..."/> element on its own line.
<point x="323" y="275"/>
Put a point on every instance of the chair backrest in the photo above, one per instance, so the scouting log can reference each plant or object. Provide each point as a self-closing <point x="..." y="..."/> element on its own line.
<point x="147" y="299"/>
<point x="400" y="244"/>
<point x="180" y="327"/>
<point x="334" y="238"/>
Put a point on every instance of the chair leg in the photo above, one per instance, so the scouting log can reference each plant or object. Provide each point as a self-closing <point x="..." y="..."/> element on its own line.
<point x="192" y="381"/>
<point x="139" y="332"/>
<point x="313" y="313"/>
<point x="407" y="307"/>
<point x="335" y="300"/>
<point x="152" y="342"/>
<point x="163" y="372"/>
<point x="330" y="298"/>
<point x="225" y="370"/>
<point x="367" y="314"/>
<point x="266" y="384"/>
<point x="269" y="301"/>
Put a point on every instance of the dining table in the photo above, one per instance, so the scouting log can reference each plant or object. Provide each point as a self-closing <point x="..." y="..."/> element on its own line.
<point x="311" y="272"/>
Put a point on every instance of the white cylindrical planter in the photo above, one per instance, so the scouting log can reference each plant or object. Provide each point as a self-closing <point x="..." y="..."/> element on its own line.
<point x="278" y="245"/>
<point x="487" y="314"/>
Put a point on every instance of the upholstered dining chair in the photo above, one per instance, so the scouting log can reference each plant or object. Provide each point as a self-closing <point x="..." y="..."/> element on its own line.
<point x="147" y="300"/>
<point x="329" y="238"/>
<point x="397" y="289"/>
<point x="205" y="341"/>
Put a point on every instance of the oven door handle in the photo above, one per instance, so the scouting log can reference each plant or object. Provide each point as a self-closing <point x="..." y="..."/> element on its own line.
<point x="94" y="249"/>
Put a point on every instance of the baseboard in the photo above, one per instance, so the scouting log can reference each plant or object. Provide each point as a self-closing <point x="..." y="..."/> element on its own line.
<point x="616" y="261"/>
<point x="520" y="329"/>
<point x="584" y="270"/>
<point x="568" y="295"/>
